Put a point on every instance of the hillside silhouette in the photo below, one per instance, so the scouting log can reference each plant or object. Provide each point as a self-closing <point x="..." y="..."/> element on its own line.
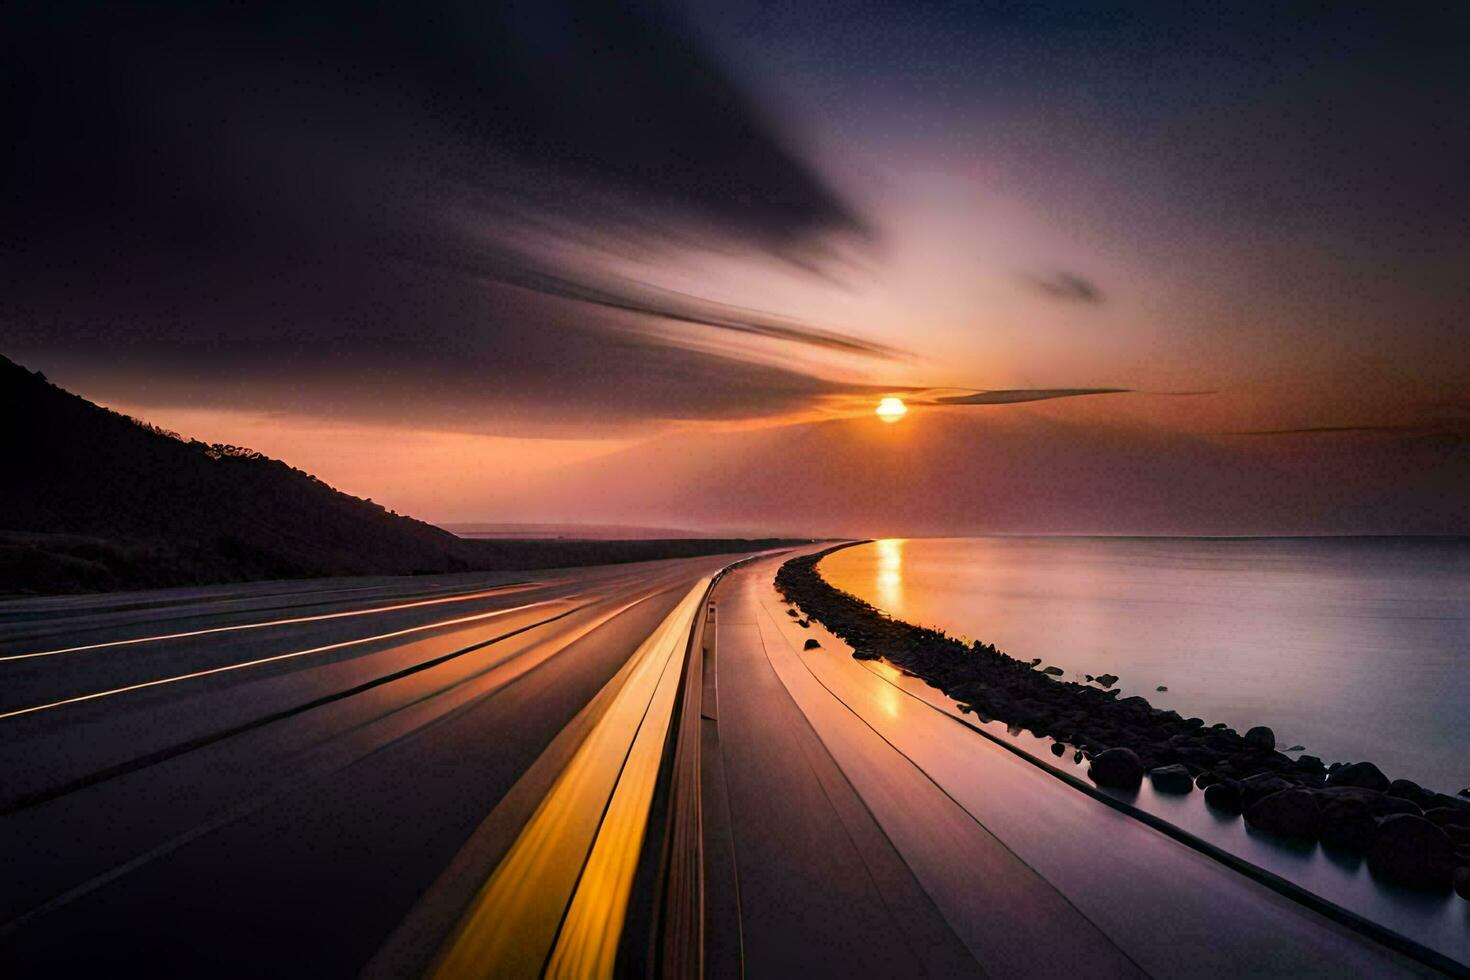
<point x="94" y="500"/>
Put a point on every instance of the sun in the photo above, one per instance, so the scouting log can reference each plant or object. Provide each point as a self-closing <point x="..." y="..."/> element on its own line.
<point x="892" y="409"/>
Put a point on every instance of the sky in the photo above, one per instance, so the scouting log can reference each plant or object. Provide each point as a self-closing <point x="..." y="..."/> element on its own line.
<point x="1135" y="268"/>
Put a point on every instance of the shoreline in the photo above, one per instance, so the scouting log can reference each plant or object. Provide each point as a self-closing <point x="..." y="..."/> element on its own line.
<point x="1410" y="836"/>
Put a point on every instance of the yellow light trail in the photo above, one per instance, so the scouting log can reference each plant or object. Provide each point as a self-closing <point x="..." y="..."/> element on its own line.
<point x="556" y="903"/>
<point x="267" y="660"/>
<point x="500" y="590"/>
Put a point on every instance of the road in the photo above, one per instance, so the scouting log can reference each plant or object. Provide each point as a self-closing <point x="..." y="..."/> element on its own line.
<point x="626" y="769"/>
<point x="287" y="814"/>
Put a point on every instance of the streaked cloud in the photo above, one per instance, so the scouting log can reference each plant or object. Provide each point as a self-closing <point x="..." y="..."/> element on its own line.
<point x="1012" y="396"/>
<point x="1066" y="286"/>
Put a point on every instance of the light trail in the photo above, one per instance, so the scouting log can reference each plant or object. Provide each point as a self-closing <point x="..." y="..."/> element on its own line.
<point x="478" y="617"/>
<point x="556" y="903"/>
<point x="499" y="590"/>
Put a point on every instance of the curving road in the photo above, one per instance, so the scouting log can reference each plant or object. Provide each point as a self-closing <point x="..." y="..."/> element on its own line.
<point x="632" y="769"/>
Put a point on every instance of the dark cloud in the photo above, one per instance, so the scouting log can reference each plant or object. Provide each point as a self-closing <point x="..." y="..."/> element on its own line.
<point x="1012" y="396"/>
<point x="1066" y="286"/>
<point x="651" y="301"/>
<point x="1442" y="428"/>
<point x="278" y="186"/>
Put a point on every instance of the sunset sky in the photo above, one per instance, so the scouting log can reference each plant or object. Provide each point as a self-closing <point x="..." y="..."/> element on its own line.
<point x="538" y="261"/>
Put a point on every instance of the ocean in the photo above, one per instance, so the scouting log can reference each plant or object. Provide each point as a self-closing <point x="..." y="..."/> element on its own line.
<point x="1355" y="648"/>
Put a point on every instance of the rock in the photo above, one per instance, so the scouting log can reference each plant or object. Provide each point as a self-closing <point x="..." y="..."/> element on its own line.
<point x="1057" y="749"/>
<point x="1161" y="688"/>
<point x="1089" y="678"/>
<point x="1207" y="779"/>
<point x="803" y="624"/>
<point x="1053" y="671"/>
<point x="1261" y="737"/>
<point x="1379" y="804"/>
<point x="1411" y="851"/>
<point x="1118" y="767"/>
<point x="1444" y="816"/>
<point x="1364" y="775"/>
<point x="1407" y="789"/>
<point x="1311" y="762"/>
<point x="1225" y="795"/>
<point x="1462" y="882"/>
<point x="1108" y="680"/>
<point x="1348" y="825"/>
<point x="811" y="645"/>
<point x="1464" y="792"/>
<point x="1295" y="748"/>
<point x="792" y="613"/>
<point x="1263" y="784"/>
<point x="1077" y="756"/>
<point x="1289" y="813"/>
<point x="1036" y="661"/>
<point x="1171" y="779"/>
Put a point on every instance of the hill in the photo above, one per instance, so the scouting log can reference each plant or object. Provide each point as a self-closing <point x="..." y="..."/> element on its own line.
<point x="95" y="500"/>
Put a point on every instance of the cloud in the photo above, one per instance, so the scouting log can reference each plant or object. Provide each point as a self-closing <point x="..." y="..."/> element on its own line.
<point x="642" y="298"/>
<point x="1066" y="286"/>
<point x="287" y="189"/>
<point x="1432" y="428"/>
<point x="1012" y="396"/>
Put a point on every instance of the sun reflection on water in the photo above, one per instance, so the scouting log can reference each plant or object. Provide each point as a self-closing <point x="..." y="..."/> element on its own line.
<point x="889" y="576"/>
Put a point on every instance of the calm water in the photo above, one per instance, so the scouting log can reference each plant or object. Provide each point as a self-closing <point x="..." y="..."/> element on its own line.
<point x="1355" y="648"/>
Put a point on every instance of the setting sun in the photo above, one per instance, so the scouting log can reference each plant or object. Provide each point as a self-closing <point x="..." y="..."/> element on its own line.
<point x="892" y="409"/>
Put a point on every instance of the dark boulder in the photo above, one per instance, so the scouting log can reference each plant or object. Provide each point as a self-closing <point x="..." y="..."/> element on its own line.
<point x="1108" y="680"/>
<point x="1053" y="671"/>
<point x="1411" y="851"/>
<point x="1171" y="779"/>
<point x="1261" y="737"/>
<point x="1407" y="789"/>
<point x="1379" y="804"/>
<point x="1207" y="779"/>
<point x="1348" y="825"/>
<point x="1295" y="748"/>
<point x="1364" y="775"/>
<point x="1462" y="882"/>
<point x="803" y="624"/>
<point x="792" y="613"/>
<point x="1118" y="767"/>
<point x="1225" y="796"/>
<point x="810" y="645"/>
<point x="1447" y="816"/>
<point x="1262" y="785"/>
<point x="1057" y="749"/>
<point x="1289" y="813"/>
<point x="1161" y="687"/>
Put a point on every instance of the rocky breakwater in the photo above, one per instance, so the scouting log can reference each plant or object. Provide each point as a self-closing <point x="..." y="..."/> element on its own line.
<point x="1409" y="835"/>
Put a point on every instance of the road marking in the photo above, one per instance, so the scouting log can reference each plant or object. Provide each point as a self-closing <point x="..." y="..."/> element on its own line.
<point x="273" y="659"/>
<point x="556" y="903"/>
<point x="501" y="590"/>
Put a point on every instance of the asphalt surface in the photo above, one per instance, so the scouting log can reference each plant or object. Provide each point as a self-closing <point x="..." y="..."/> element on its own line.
<point x="285" y="816"/>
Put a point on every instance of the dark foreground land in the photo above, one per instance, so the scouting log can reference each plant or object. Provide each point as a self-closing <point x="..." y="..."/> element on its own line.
<point x="97" y="501"/>
<point x="1410" y="835"/>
